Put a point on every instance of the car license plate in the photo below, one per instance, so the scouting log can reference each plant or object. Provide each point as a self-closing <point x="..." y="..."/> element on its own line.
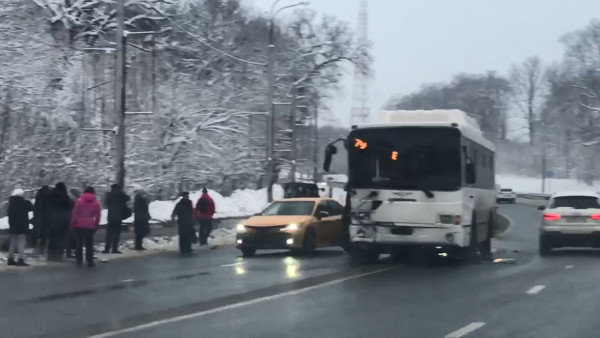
<point x="576" y="219"/>
<point x="402" y="231"/>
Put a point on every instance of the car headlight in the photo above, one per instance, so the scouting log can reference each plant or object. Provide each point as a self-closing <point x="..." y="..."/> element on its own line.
<point x="240" y="228"/>
<point x="291" y="227"/>
<point x="362" y="216"/>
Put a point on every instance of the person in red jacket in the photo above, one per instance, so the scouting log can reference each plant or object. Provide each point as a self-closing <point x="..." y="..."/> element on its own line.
<point x="84" y="222"/>
<point x="205" y="210"/>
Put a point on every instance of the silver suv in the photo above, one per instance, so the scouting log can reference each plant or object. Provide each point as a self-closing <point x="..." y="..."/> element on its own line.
<point x="506" y="195"/>
<point x="570" y="220"/>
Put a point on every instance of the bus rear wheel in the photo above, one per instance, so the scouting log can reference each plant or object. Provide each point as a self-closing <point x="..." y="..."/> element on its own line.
<point x="469" y="254"/>
<point x="485" y="248"/>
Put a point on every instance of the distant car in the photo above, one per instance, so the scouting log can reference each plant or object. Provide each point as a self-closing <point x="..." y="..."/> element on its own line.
<point x="570" y="220"/>
<point x="301" y="189"/>
<point x="506" y="195"/>
<point x="299" y="224"/>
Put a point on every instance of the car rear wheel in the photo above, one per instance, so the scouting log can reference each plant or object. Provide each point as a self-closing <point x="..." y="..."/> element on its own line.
<point x="545" y="247"/>
<point x="248" y="252"/>
<point x="309" y="243"/>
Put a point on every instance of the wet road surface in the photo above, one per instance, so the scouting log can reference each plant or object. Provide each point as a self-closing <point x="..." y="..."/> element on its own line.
<point x="218" y="294"/>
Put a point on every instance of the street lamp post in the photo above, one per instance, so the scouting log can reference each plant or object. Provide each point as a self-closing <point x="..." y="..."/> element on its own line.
<point x="270" y="111"/>
<point x="270" y="96"/>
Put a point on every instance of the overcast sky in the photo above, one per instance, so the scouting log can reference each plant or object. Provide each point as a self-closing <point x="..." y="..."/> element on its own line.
<point x="424" y="41"/>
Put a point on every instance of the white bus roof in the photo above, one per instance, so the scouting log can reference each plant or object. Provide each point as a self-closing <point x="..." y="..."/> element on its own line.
<point x="431" y="118"/>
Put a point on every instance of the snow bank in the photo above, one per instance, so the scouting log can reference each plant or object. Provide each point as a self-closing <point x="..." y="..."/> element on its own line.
<point x="240" y="204"/>
<point x="534" y="184"/>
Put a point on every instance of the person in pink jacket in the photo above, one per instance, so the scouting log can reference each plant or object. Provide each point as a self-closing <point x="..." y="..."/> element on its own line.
<point x="85" y="221"/>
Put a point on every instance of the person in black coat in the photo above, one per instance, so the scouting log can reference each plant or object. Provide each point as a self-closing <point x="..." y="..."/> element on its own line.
<point x="116" y="203"/>
<point x="141" y="221"/>
<point x="41" y="219"/>
<point x="18" y="226"/>
<point x="184" y="213"/>
<point x="61" y="207"/>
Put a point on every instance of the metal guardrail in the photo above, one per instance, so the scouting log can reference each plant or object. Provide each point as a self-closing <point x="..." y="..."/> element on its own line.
<point x="530" y="196"/>
<point x="160" y="224"/>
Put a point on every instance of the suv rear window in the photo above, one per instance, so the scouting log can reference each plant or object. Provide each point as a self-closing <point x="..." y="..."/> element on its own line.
<point x="506" y="190"/>
<point x="576" y="202"/>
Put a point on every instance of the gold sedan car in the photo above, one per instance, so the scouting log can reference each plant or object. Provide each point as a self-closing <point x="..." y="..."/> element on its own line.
<point x="299" y="224"/>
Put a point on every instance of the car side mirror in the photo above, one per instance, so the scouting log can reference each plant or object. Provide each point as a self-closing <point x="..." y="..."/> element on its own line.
<point x="322" y="214"/>
<point x="330" y="150"/>
<point x="470" y="173"/>
<point x="541" y="208"/>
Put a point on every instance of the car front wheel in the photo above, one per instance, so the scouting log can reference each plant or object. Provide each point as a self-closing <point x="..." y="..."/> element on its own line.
<point x="248" y="252"/>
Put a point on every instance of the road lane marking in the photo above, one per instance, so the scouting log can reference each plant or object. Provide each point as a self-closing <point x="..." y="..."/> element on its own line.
<point x="569" y="267"/>
<point x="536" y="289"/>
<point x="465" y="330"/>
<point x="236" y="305"/>
<point x="233" y="264"/>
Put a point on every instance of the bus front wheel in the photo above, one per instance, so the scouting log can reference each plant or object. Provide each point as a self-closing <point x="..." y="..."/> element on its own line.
<point x="363" y="256"/>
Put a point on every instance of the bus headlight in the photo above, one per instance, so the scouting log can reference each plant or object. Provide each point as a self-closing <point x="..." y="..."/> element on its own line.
<point x="293" y="227"/>
<point x="240" y="228"/>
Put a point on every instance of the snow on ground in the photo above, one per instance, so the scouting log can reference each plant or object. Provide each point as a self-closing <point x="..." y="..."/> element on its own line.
<point x="534" y="184"/>
<point x="153" y="245"/>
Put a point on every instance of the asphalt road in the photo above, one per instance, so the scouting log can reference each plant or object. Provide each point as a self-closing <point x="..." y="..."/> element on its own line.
<point x="217" y="294"/>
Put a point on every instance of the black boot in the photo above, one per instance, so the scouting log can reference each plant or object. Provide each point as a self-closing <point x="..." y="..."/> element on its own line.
<point x="11" y="261"/>
<point x="21" y="262"/>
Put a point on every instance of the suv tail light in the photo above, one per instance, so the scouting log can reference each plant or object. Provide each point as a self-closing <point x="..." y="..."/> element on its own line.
<point x="596" y="217"/>
<point x="552" y="217"/>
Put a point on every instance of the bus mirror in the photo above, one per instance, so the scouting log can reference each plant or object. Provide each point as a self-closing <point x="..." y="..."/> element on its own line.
<point x="330" y="150"/>
<point x="470" y="173"/>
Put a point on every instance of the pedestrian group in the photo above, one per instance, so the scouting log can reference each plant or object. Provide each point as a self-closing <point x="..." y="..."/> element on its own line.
<point x="64" y="223"/>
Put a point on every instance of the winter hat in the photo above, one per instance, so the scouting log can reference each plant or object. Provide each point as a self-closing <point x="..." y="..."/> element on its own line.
<point x="204" y="191"/>
<point x="185" y="193"/>
<point x="18" y="192"/>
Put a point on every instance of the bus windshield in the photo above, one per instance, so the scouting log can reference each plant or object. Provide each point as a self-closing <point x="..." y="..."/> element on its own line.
<point x="406" y="158"/>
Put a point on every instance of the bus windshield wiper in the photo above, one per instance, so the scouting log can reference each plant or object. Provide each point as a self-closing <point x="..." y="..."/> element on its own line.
<point x="428" y="193"/>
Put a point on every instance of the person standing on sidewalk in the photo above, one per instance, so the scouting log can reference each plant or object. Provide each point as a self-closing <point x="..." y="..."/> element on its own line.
<point x="205" y="210"/>
<point x="141" y="221"/>
<point x="84" y="223"/>
<point x="184" y="213"/>
<point x="18" y="222"/>
<point x="41" y="220"/>
<point x="61" y="207"/>
<point x="71" y="236"/>
<point x="118" y="211"/>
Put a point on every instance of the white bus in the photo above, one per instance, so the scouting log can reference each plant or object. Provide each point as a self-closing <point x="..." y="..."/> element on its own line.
<point x="419" y="179"/>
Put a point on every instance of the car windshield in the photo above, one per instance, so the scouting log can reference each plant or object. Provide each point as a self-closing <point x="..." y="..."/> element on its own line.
<point x="290" y="208"/>
<point x="405" y="158"/>
<point x="576" y="202"/>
